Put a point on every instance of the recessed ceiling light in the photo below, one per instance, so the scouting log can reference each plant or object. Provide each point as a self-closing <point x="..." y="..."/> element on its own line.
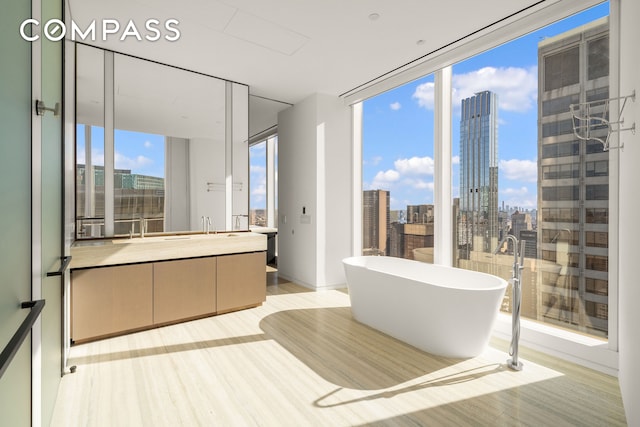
<point x="374" y="16"/>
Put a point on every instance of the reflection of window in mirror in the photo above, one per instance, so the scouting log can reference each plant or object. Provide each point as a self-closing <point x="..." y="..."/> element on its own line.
<point x="165" y="130"/>
<point x="170" y="123"/>
<point x="263" y="185"/>
<point x="258" y="184"/>
<point x="138" y="181"/>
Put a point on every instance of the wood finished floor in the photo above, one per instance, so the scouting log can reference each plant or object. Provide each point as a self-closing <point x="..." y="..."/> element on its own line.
<point x="301" y="360"/>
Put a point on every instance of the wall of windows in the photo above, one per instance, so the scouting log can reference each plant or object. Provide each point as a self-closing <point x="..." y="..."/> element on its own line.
<point x="544" y="171"/>
<point x="518" y="169"/>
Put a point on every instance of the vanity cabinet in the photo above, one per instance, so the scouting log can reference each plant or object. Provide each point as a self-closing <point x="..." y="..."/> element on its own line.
<point x="109" y="300"/>
<point x="183" y="288"/>
<point x="241" y="281"/>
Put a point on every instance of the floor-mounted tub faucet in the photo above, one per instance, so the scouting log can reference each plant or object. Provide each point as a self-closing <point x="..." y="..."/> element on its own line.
<point x="516" y="285"/>
<point x="143" y="226"/>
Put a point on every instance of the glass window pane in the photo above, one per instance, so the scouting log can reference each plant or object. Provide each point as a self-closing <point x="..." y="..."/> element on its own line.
<point x="258" y="184"/>
<point x="550" y="188"/>
<point x="398" y="210"/>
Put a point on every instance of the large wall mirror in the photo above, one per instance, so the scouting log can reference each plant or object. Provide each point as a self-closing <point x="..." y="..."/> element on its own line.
<point x="157" y="147"/>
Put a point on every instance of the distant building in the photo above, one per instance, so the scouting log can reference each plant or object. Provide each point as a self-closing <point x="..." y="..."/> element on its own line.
<point x="404" y="238"/>
<point x="135" y="196"/>
<point x="520" y="222"/>
<point x="396" y="216"/>
<point x="573" y="191"/>
<point x="375" y="222"/>
<point x="478" y="222"/>
<point x="419" y="214"/>
<point x="531" y="248"/>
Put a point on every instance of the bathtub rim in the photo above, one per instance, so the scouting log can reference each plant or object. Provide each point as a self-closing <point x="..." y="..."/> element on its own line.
<point x="501" y="284"/>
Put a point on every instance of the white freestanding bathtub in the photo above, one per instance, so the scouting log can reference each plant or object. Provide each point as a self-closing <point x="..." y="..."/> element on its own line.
<point x="442" y="310"/>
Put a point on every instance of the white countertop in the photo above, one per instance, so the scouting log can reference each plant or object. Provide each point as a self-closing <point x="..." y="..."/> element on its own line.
<point x="264" y="230"/>
<point x="96" y="253"/>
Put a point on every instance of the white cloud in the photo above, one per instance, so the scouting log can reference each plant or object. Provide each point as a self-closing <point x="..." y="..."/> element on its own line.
<point x="256" y="169"/>
<point x="415" y="166"/>
<point x="522" y="191"/>
<point x="519" y="170"/>
<point x="124" y="162"/>
<point x="424" y="95"/>
<point x="407" y="173"/>
<point x="384" y="179"/>
<point x="260" y="189"/>
<point x="520" y="197"/>
<point x="418" y="184"/>
<point x="258" y="182"/>
<point x="148" y="144"/>
<point x="395" y="106"/>
<point x="455" y="160"/>
<point x="517" y="88"/>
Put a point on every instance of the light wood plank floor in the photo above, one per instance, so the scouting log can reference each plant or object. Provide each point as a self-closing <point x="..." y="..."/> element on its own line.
<point x="300" y="359"/>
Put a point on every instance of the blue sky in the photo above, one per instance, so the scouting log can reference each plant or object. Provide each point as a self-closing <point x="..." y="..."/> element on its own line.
<point x="142" y="153"/>
<point x="398" y="125"/>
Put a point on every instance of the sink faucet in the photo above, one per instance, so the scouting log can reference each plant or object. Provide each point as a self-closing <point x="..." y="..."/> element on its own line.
<point x="237" y="222"/>
<point x="206" y="224"/>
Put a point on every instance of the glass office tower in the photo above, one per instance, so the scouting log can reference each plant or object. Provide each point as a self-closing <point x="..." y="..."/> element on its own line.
<point x="478" y="224"/>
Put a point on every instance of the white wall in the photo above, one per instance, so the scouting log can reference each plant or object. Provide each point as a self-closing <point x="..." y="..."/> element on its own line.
<point x="207" y="165"/>
<point x="629" y="283"/>
<point x="176" y="205"/>
<point x="314" y="174"/>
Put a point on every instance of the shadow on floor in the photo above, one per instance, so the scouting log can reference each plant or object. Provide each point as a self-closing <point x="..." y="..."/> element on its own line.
<point x="166" y="349"/>
<point x="347" y="353"/>
<point x="553" y="402"/>
<point x="456" y="378"/>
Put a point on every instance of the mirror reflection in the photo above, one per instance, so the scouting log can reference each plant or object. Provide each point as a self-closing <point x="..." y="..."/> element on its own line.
<point x="158" y="149"/>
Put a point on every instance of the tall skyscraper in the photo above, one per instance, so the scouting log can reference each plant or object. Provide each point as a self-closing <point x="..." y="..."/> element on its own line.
<point x="573" y="189"/>
<point x="375" y="222"/>
<point x="478" y="222"/>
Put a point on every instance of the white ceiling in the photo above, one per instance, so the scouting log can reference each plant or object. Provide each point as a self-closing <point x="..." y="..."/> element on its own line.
<point x="285" y="50"/>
